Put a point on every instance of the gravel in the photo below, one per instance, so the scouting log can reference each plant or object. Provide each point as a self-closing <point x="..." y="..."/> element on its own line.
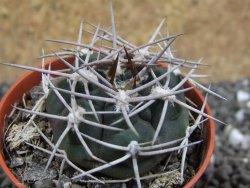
<point x="230" y="164"/>
<point x="4" y="88"/>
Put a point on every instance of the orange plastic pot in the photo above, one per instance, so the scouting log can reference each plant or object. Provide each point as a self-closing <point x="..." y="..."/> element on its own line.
<point x="30" y="79"/>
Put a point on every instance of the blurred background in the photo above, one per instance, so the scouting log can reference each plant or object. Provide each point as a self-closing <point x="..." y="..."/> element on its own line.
<point x="216" y="31"/>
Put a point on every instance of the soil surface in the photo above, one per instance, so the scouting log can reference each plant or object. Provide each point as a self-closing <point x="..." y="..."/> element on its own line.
<point x="216" y="31"/>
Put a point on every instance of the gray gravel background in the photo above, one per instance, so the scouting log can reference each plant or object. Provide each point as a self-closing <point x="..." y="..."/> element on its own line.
<point x="230" y="165"/>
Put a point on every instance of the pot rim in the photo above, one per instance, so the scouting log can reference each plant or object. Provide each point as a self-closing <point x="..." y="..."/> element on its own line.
<point x="31" y="79"/>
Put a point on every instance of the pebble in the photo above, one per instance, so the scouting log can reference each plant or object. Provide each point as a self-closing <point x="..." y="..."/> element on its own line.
<point x="44" y="184"/>
<point x="223" y="173"/>
<point x="242" y="96"/>
<point x="240" y="115"/>
<point x="173" y="166"/>
<point x="236" y="138"/>
<point x="226" y="185"/>
<point x="245" y="178"/>
<point x="235" y="179"/>
<point x="18" y="161"/>
<point x="215" y="182"/>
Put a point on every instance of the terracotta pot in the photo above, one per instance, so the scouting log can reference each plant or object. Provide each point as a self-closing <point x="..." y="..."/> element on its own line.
<point x="30" y="79"/>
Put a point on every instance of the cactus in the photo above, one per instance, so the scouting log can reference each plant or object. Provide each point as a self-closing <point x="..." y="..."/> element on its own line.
<point x="120" y="109"/>
<point x="140" y="128"/>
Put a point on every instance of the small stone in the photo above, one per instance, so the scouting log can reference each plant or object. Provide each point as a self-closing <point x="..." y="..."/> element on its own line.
<point x="245" y="83"/>
<point x="36" y="173"/>
<point x="248" y="104"/>
<point x="219" y="159"/>
<point x="228" y="168"/>
<point x="67" y="185"/>
<point x="169" y="180"/>
<point x="229" y="151"/>
<point x="223" y="173"/>
<point x="44" y="184"/>
<point x="226" y="184"/>
<point x="240" y="115"/>
<point x="245" y="178"/>
<point x="215" y="182"/>
<point x="246" y="142"/>
<point x="246" y="160"/>
<point x="242" y="96"/>
<point x="235" y="179"/>
<point x="173" y="166"/>
<point x="236" y="138"/>
<point x="16" y="162"/>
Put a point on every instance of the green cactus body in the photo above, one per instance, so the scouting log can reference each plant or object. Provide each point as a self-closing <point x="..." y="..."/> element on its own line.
<point x="175" y="123"/>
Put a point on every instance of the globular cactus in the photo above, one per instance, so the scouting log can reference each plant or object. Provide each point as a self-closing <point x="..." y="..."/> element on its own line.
<point x="119" y="109"/>
<point x="140" y="126"/>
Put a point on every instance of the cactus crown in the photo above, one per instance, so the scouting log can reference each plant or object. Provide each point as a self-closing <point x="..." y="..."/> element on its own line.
<point x="117" y="110"/>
